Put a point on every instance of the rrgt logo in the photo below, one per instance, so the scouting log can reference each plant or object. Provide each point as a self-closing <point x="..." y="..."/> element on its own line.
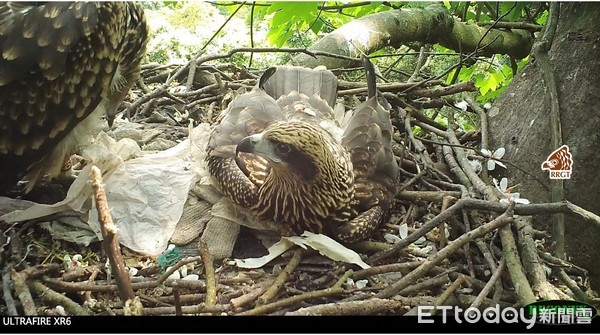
<point x="559" y="163"/>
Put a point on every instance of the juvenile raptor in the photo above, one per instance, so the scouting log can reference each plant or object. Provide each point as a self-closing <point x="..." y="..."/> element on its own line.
<point x="280" y="154"/>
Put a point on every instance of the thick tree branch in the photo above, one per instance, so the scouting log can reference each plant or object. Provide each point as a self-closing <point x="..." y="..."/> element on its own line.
<point x="433" y="24"/>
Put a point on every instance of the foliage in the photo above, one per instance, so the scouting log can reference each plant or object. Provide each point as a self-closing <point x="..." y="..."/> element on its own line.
<point x="181" y="29"/>
<point x="298" y="24"/>
<point x="291" y="21"/>
<point x="491" y="79"/>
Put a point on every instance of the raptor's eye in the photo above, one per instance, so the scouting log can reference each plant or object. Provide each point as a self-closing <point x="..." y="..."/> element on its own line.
<point x="283" y="148"/>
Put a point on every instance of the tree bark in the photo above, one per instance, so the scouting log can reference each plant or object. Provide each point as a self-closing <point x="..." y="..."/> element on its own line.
<point x="520" y="122"/>
<point x="433" y="24"/>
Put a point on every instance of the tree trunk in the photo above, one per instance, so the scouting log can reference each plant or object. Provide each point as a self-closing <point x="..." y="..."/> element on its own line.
<point x="519" y="122"/>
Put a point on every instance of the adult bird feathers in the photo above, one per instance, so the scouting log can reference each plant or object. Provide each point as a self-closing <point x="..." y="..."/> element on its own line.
<point x="63" y="65"/>
<point x="280" y="153"/>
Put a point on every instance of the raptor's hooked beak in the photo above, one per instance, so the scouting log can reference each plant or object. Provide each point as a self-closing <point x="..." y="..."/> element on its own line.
<point x="111" y="108"/>
<point x="255" y="144"/>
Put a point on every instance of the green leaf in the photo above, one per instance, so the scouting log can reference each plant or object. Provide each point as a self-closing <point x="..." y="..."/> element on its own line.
<point x="466" y="73"/>
<point x="515" y="13"/>
<point x="171" y="4"/>
<point x="543" y="18"/>
<point x="317" y="26"/>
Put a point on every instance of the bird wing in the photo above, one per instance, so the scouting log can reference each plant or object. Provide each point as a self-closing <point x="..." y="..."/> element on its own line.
<point x="368" y="139"/>
<point x="280" y="81"/>
<point x="239" y="177"/>
<point x="304" y="94"/>
<point x="58" y="62"/>
<point x="40" y="37"/>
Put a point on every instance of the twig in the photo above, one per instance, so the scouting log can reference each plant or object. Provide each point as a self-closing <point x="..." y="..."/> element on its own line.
<point x="456" y="284"/>
<point x="415" y="179"/>
<point x="520" y="209"/>
<point x="482" y="118"/>
<point x="158" y="92"/>
<point x="572" y="285"/>
<point x="467" y="248"/>
<point x="63" y="286"/>
<point x="223" y="25"/>
<point x="483" y="128"/>
<point x="376" y="270"/>
<point x="430" y="196"/>
<point x="437" y="129"/>
<point x="531" y="260"/>
<point x="281" y="279"/>
<point x="6" y="292"/>
<point x="111" y="241"/>
<point x="488" y="287"/>
<point x="383" y="87"/>
<point x="87" y="294"/>
<point x="513" y="25"/>
<point x="452" y="247"/>
<point x="557" y="262"/>
<point x="157" y="301"/>
<point x="40" y="270"/>
<point x="515" y="268"/>
<point x="176" y="267"/>
<point x="487" y="256"/>
<point x="467" y="86"/>
<point x="193" y="93"/>
<point x="251" y="296"/>
<point x="209" y="269"/>
<point x="442" y="227"/>
<point x="22" y="291"/>
<point x="456" y="170"/>
<point x="263" y="309"/>
<point x="56" y="298"/>
<point x="185" y="299"/>
<point x="339" y="8"/>
<point x="334" y="290"/>
<point x="195" y="309"/>
<point x="313" y="54"/>
<point x="425" y="285"/>
<point x="419" y="65"/>
<point x="419" y="147"/>
<point x="461" y="157"/>
<point x="177" y="302"/>
<point x="361" y="307"/>
<point x="142" y="85"/>
<point x="191" y="73"/>
<point x="203" y="101"/>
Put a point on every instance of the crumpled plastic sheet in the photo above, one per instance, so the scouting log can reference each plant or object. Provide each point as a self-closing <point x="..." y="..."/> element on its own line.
<point x="146" y="193"/>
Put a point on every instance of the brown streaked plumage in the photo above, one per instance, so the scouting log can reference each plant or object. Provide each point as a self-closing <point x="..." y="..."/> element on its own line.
<point x="63" y="65"/>
<point x="280" y="152"/>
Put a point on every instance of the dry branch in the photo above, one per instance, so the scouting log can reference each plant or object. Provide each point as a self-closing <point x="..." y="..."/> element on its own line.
<point x="23" y="293"/>
<point x="443" y="254"/>
<point x="110" y="239"/>
<point x="209" y="270"/>
<point x="50" y="296"/>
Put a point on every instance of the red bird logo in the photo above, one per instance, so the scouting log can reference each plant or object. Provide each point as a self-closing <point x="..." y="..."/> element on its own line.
<point x="559" y="163"/>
